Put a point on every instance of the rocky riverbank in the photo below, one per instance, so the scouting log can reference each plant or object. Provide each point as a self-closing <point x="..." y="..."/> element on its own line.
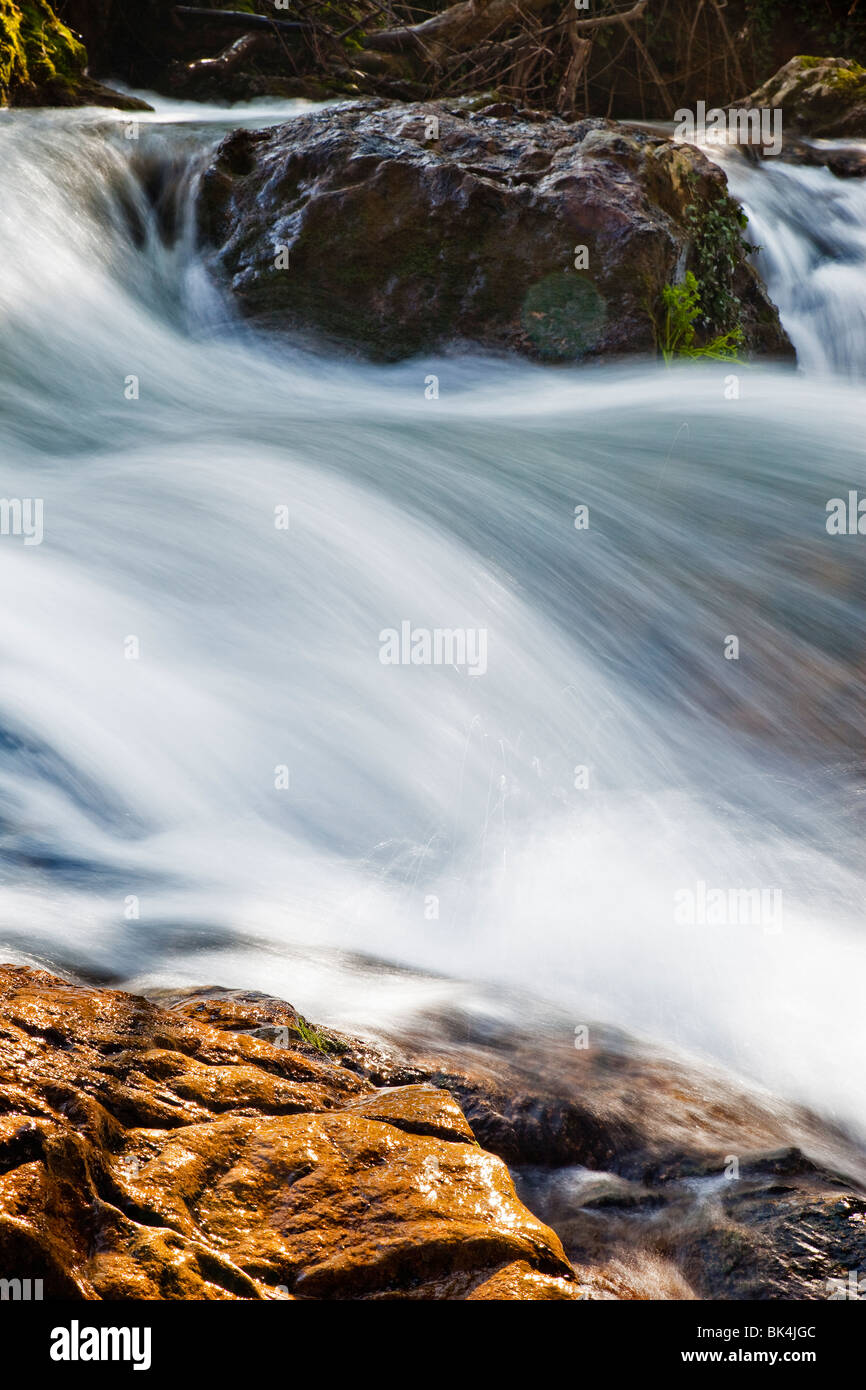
<point x="393" y="228"/>
<point x="213" y="1144"/>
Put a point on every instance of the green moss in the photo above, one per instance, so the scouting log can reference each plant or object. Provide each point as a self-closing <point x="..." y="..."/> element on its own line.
<point x="850" y="81"/>
<point x="311" y="1036"/>
<point x="39" y="57"/>
<point x="844" y="79"/>
<point x="827" y="92"/>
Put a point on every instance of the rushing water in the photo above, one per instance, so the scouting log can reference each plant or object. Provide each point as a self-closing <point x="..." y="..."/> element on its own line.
<point x="811" y="228"/>
<point x="143" y="836"/>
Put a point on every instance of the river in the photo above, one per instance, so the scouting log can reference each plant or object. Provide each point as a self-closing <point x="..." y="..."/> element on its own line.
<point x="207" y="774"/>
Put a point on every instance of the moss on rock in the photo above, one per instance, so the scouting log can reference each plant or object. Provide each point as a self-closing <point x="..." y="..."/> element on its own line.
<point x="820" y="97"/>
<point x="39" y="56"/>
<point x="42" y="63"/>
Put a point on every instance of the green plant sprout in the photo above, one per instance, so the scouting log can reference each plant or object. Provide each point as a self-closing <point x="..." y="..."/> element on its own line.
<point x="310" y="1035"/>
<point x="678" y="338"/>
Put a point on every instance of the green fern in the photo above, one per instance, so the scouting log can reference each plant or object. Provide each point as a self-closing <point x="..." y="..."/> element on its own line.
<point x="678" y="337"/>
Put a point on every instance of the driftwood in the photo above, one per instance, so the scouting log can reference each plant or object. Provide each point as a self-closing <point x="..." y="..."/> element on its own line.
<point x="236" y="19"/>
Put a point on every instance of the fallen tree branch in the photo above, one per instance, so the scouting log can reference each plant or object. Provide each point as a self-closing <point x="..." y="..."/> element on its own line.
<point x="237" y="19"/>
<point x="240" y="52"/>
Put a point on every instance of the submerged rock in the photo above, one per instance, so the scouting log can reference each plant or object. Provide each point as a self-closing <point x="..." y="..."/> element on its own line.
<point x="398" y="229"/>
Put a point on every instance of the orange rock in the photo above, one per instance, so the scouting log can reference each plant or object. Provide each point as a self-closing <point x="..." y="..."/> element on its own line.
<point x="148" y="1153"/>
<point x="519" y="1282"/>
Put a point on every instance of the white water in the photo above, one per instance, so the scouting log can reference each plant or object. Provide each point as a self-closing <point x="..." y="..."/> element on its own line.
<point x="811" y="227"/>
<point x="155" y="777"/>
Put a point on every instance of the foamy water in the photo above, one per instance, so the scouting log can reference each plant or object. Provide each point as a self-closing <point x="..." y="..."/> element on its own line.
<point x="207" y="774"/>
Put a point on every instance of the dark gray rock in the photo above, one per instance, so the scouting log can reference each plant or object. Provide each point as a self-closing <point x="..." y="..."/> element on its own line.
<point x="407" y="228"/>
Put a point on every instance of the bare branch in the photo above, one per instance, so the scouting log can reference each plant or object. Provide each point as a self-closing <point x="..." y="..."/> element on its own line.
<point x="235" y="19"/>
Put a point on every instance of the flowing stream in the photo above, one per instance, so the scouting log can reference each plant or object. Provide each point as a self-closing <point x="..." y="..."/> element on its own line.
<point x="207" y="774"/>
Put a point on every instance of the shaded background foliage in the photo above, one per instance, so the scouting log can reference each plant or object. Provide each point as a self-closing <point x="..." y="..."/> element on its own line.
<point x="678" y="52"/>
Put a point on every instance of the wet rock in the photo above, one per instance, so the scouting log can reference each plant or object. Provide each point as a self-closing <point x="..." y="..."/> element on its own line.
<point x="394" y="230"/>
<point x="217" y="1145"/>
<point x="520" y="1282"/>
<point x="846" y="162"/>
<point x="672" y="1183"/>
<point x="418" y="1110"/>
<point x="150" y="1153"/>
<point x="661" y="1179"/>
<point x="755" y="1234"/>
<point x="788" y="1241"/>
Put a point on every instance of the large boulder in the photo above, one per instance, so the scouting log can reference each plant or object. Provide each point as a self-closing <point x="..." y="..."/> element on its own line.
<point x="397" y="229"/>
<point x="824" y="98"/>
<point x="151" y="1153"/>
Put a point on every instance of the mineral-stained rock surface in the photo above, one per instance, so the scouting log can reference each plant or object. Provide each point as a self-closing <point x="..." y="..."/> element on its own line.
<point x="662" y="1180"/>
<point x="148" y="1153"/>
<point x="396" y="229"/>
<point x="211" y="1144"/>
